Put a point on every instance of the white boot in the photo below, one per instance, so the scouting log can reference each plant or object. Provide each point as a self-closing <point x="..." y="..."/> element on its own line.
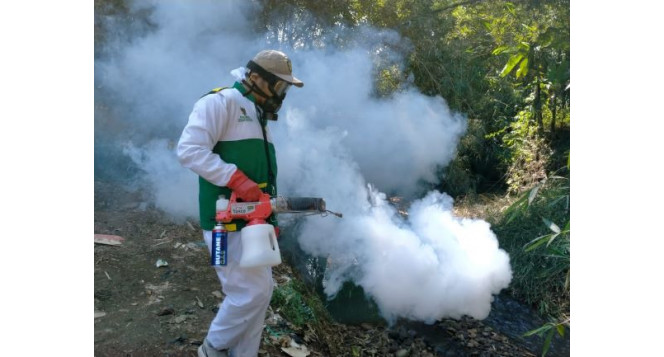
<point x="206" y="350"/>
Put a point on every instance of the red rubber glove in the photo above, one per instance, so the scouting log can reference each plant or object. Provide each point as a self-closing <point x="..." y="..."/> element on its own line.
<point x="246" y="190"/>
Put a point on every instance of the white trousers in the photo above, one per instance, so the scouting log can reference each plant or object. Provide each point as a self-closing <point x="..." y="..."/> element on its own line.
<point x="239" y="322"/>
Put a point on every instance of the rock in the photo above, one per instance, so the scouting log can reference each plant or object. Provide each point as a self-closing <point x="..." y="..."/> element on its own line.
<point x="402" y="353"/>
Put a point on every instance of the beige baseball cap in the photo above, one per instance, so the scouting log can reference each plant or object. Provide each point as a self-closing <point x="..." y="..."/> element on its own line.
<point x="277" y="63"/>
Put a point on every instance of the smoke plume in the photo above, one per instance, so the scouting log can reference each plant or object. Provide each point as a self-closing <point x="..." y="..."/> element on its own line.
<point x="335" y="139"/>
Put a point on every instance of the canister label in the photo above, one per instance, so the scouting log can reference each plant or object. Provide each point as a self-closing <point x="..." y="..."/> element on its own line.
<point x="219" y="247"/>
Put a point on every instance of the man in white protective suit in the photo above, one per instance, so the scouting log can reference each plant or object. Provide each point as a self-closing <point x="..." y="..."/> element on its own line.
<point x="226" y="142"/>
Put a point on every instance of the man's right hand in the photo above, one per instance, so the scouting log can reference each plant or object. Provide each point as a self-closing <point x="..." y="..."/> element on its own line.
<point x="245" y="189"/>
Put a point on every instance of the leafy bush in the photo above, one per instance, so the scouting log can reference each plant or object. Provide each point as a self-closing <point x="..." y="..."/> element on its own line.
<point x="297" y="304"/>
<point x="529" y="153"/>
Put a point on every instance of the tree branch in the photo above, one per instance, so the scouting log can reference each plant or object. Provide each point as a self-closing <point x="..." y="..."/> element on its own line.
<point x="457" y="4"/>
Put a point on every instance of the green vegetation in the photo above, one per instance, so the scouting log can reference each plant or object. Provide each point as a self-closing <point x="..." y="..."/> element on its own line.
<point x="298" y="304"/>
<point x="530" y="230"/>
<point x="541" y="264"/>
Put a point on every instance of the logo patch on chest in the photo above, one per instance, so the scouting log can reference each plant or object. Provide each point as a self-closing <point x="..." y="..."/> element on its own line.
<point x="244" y="116"/>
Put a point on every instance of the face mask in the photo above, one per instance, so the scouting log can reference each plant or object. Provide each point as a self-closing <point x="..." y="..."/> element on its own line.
<point x="276" y="86"/>
<point x="272" y="103"/>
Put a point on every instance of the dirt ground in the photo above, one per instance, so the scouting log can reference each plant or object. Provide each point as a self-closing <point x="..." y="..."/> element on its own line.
<point x="146" y="308"/>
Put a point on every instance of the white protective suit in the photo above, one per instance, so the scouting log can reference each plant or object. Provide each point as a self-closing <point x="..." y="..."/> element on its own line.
<point x="227" y="116"/>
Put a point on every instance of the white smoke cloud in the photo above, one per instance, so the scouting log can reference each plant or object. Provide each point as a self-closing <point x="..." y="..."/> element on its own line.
<point x="426" y="267"/>
<point x="165" y="177"/>
<point x="395" y="141"/>
<point x="334" y="140"/>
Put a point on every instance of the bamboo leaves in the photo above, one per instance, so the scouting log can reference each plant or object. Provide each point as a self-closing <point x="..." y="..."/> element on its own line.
<point x="549" y="330"/>
<point x="520" y="57"/>
<point x="511" y="63"/>
<point x="547" y="238"/>
<point x="523" y="68"/>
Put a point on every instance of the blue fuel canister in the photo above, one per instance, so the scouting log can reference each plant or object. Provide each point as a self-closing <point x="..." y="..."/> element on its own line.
<point x="219" y="254"/>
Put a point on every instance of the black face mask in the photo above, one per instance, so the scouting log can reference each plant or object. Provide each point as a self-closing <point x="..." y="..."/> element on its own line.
<point x="276" y="86"/>
<point x="272" y="103"/>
